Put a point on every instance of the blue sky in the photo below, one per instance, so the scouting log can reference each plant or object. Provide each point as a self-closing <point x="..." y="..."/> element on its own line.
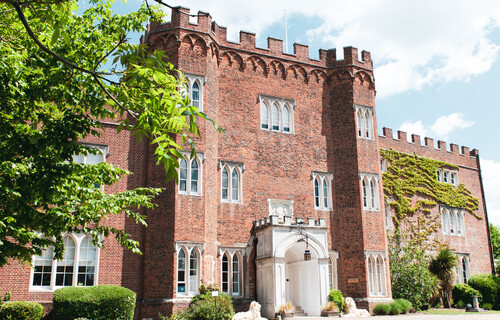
<point x="436" y="62"/>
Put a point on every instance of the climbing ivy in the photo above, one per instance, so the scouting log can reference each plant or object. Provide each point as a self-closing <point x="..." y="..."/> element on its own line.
<point x="412" y="189"/>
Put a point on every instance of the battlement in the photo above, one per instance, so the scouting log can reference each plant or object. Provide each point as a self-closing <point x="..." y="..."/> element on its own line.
<point x="455" y="154"/>
<point x="287" y="221"/>
<point x="327" y="58"/>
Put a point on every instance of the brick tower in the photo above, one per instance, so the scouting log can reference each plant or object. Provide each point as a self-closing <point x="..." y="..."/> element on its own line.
<point x="299" y="159"/>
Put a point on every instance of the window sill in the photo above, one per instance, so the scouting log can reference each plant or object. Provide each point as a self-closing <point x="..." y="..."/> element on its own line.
<point x="231" y="202"/>
<point x="323" y="209"/>
<point x="190" y="194"/>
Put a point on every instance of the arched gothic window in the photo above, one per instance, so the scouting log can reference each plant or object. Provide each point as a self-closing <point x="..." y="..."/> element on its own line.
<point x="225" y="273"/>
<point x="195" y="90"/>
<point x="231" y="182"/>
<point x="236" y="275"/>
<point x="231" y="273"/>
<point x="188" y="270"/>
<point x="264" y="116"/>
<point x="286" y="118"/>
<point x="316" y="192"/>
<point x="193" y="272"/>
<point x="225" y="184"/>
<point x="276" y="117"/>
<point x="195" y="96"/>
<point x="364" y="117"/>
<point x="276" y="114"/>
<point x="190" y="174"/>
<point x="78" y="266"/>
<point x="181" y="272"/>
<point x="369" y="192"/>
<point x="65" y="267"/>
<point x="322" y="190"/>
<point x="376" y="274"/>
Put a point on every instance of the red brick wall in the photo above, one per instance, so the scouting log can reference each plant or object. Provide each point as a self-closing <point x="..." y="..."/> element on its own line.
<point x="475" y="241"/>
<point x="276" y="166"/>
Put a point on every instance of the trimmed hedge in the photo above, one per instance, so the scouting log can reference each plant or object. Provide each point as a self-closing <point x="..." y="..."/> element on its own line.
<point x="398" y="306"/>
<point x="21" y="310"/>
<point x="202" y="307"/>
<point x="96" y="303"/>
<point x="382" y="309"/>
<point x="464" y="293"/>
<point x="489" y="286"/>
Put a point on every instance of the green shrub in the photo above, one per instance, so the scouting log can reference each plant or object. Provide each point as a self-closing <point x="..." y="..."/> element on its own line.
<point x="404" y="304"/>
<point x="488" y="285"/>
<point x="487" y="306"/>
<point x="395" y="309"/>
<point x="21" y="310"/>
<point x="410" y="275"/>
<point x="460" y="304"/>
<point x="337" y="297"/>
<point x="202" y="307"/>
<point x="382" y="309"/>
<point x="96" y="303"/>
<point x="464" y="293"/>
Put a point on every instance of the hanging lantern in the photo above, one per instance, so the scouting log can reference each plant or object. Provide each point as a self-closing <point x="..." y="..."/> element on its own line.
<point x="307" y="255"/>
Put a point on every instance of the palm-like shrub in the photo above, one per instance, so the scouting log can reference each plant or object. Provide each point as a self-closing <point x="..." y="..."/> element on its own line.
<point x="443" y="266"/>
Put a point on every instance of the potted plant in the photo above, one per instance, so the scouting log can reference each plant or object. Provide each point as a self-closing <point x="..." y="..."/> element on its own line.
<point x="286" y="310"/>
<point x="330" y="310"/>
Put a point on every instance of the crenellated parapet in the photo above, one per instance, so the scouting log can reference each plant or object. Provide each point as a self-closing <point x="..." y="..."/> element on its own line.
<point x="246" y="56"/>
<point x="428" y="148"/>
<point x="287" y="221"/>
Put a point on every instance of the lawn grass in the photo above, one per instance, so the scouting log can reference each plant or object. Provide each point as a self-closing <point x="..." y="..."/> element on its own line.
<point x="454" y="311"/>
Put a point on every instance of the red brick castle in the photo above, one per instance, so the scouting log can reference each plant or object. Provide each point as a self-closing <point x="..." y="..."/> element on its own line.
<point x="286" y="205"/>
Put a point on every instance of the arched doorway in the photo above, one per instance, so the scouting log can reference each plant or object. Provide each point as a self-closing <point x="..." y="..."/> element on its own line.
<point x="302" y="286"/>
<point x="283" y="275"/>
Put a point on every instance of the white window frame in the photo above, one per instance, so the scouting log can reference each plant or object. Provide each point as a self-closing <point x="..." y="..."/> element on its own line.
<point x="452" y="221"/>
<point x="191" y="79"/>
<point x="388" y="216"/>
<point x="463" y="258"/>
<point x="364" y="122"/>
<point x="77" y="239"/>
<point x="370" y="197"/>
<point x="332" y="270"/>
<point x="447" y="176"/>
<point x="321" y="178"/>
<point x="267" y="104"/>
<point x="231" y="254"/>
<point x="199" y="159"/>
<point x="231" y="168"/>
<point x="188" y="249"/>
<point x="376" y="272"/>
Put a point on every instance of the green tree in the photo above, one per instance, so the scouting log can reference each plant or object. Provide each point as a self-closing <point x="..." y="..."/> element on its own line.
<point x="443" y="266"/>
<point x="54" y="92"/>
<point x="495" y="241"/>
<point x="410" y="275"/>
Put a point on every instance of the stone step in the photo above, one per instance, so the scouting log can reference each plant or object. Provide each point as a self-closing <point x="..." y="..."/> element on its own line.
<point x="299" y="312"/>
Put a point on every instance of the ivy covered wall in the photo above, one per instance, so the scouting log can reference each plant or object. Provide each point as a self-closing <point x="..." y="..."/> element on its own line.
<point x="412" y="189"/>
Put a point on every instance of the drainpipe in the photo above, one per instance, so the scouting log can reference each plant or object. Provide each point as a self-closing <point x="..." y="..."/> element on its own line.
<point x="255" y="241"/>
<point x="492" y="261"/>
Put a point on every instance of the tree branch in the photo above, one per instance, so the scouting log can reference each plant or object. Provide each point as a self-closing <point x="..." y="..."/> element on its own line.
<point x="98" y="80"/>
<point x="122" y="40"/>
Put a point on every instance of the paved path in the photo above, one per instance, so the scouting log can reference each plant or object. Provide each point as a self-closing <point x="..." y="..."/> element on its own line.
<point x="422" y="316"/>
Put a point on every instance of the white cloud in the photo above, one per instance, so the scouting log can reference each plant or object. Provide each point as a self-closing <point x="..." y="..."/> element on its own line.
<point x="414" y="128"/>
<point x="440" y="129"/>
<point x="490" y="171"/>
<point x="414" y="44"/>
<point x="444" y="125"/>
